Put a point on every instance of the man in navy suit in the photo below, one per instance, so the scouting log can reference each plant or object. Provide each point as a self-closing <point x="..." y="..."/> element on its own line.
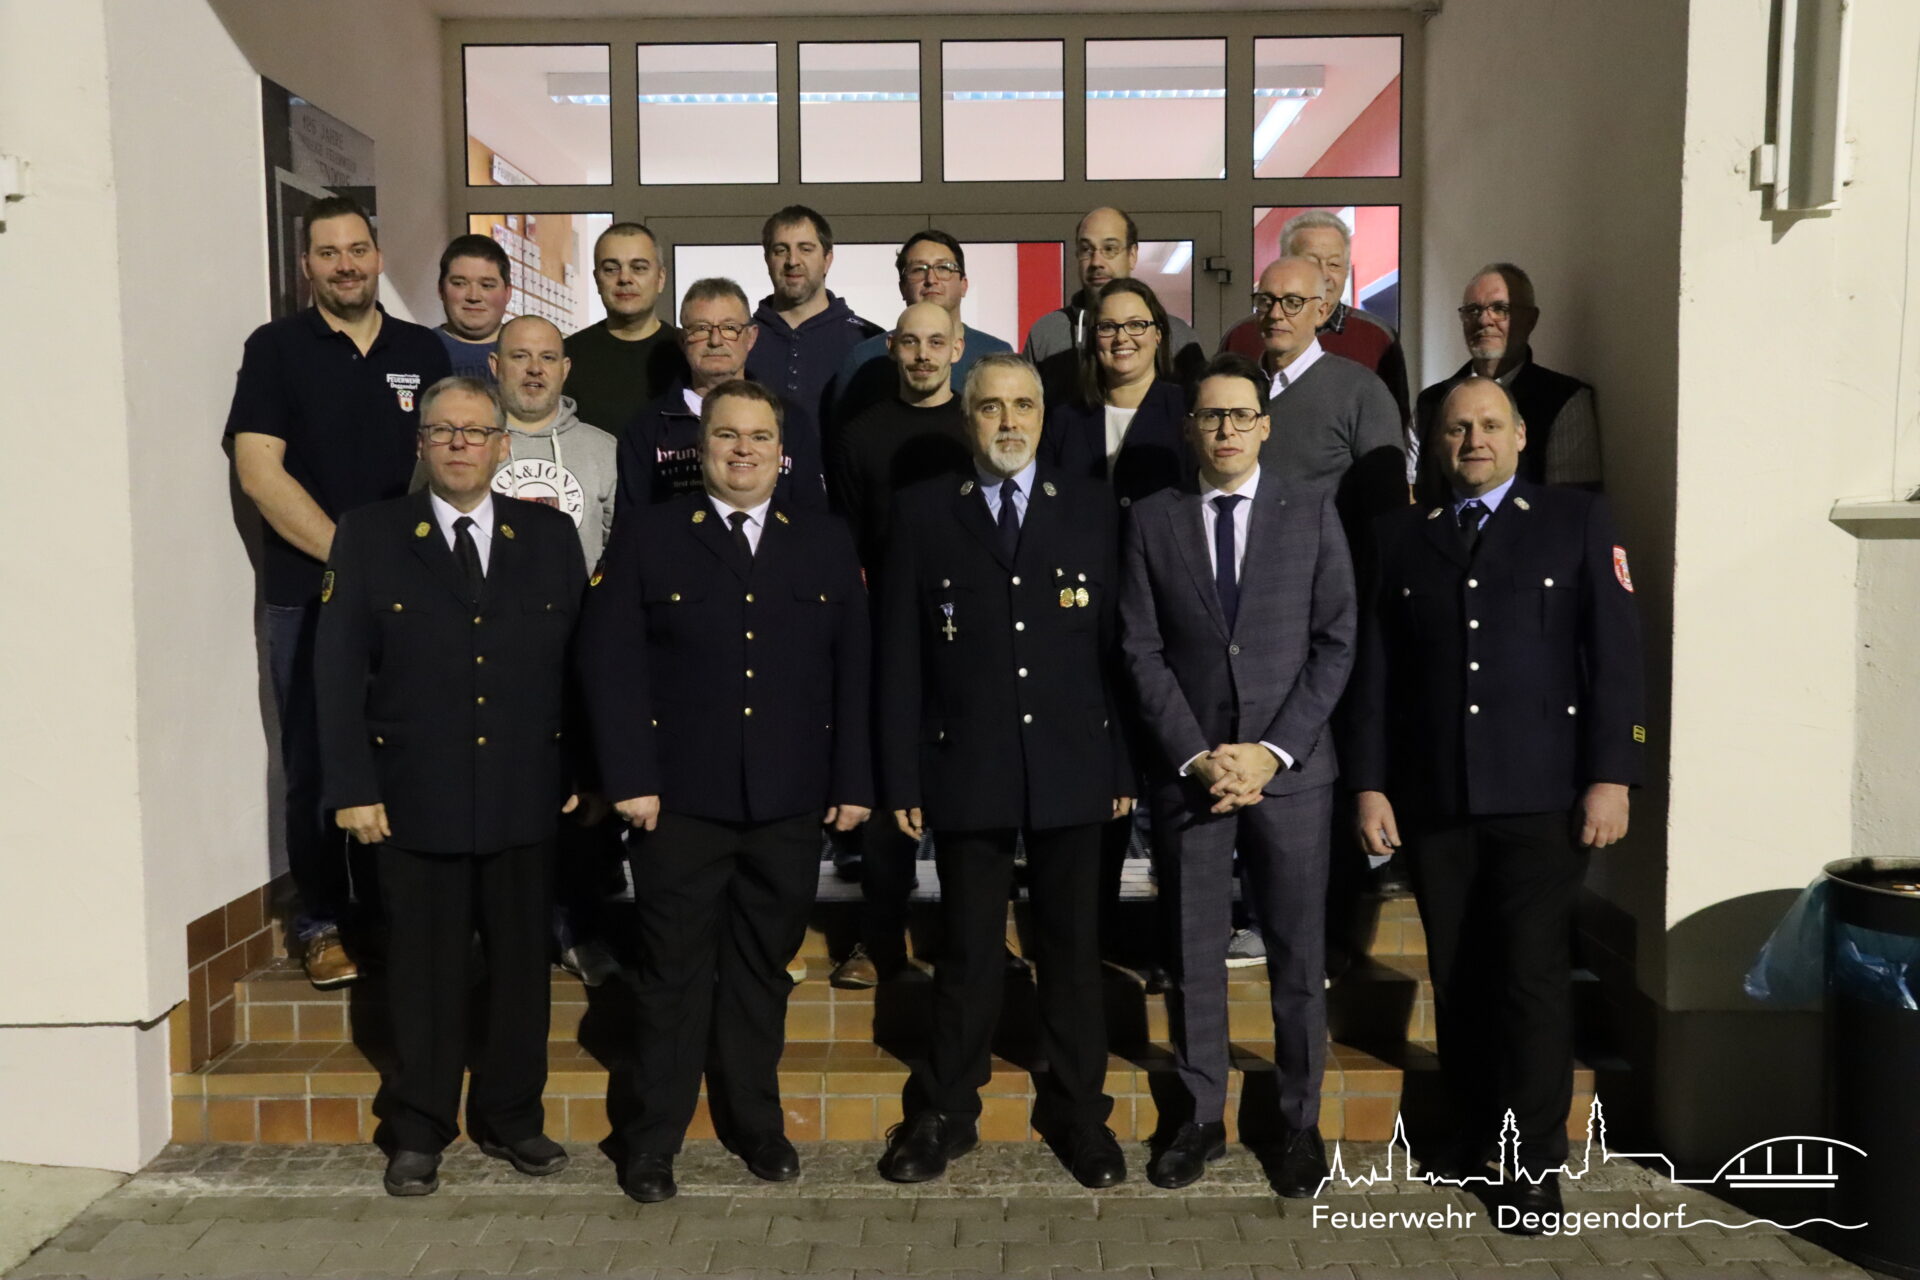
<point x="1237" y="613"/>
<point x="723" y="652"/>
<point x="1496" y="726"/>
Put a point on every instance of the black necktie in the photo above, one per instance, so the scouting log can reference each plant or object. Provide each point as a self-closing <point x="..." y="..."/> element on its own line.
<point x="738" y="520"/>
<point x="1225" y="581"/>
<point x="1471" y="514"/>
<point x="468" y="554"/>
<point x="1009" y="520"/>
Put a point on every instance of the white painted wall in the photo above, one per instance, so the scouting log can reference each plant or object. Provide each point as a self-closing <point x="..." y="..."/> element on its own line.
<point x="95" y="1097"/>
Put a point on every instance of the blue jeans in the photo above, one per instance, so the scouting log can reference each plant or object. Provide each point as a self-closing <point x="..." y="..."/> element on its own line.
<point x="316" y="850"/>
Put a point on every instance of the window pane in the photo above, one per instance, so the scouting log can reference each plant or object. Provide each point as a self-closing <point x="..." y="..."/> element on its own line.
<point x="1156" y="109"/>
<point x="1166" y="267"/>
<point x="709" y="113"/>
<point x="548" y="253"/>
<point x="1373" y="273"/>
<point x="1010" y="284"/>
<point x="1326" y="108"/>
<point x="1002" y="110"/>
<point x="537" y="115"/>
<point x="860" y="112"/>
<point x="861" y="273"/>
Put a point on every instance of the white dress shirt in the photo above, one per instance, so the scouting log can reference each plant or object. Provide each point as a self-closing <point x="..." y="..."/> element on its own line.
<point x="693" y="399"/>
<point x="756" y="519"/>
<point x="1023" y="491"/>
<point x="445" y="513"/>
<point x="1281" y="379"/>
<point x="1242" y="521"/>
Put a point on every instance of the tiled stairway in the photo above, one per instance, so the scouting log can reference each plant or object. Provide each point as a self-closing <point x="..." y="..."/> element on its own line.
<point x="304" y="1067"/>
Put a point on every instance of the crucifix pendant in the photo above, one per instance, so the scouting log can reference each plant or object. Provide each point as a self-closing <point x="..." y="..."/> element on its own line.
<point x="948" y="630"/>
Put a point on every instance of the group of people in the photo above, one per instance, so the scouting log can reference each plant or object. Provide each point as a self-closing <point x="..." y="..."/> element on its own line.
<point x="756" y="575"/>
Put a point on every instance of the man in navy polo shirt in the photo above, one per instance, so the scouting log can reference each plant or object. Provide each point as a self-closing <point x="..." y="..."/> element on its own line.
<point x="806" y="330"/>
<point x="323" y="421"/>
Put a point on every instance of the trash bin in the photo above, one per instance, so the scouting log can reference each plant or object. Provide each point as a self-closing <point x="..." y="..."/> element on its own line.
<point x="1873" y="1057"/>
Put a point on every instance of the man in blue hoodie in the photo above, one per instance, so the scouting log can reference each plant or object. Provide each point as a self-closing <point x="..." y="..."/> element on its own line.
<point x="806" y="330"/>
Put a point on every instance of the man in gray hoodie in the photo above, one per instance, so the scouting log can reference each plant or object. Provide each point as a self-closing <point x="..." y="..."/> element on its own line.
<point x="555" y="458"/>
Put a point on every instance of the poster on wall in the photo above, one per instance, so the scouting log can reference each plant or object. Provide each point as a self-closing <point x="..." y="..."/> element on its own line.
<point x="310" y="155"/>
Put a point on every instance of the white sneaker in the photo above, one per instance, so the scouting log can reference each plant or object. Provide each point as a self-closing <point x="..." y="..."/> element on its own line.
<point x="1246" y="949"/>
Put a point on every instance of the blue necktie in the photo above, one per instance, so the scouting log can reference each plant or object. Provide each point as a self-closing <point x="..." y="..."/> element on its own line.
<point x="1009" y="520"/>
<point x="1472" y="513"/>
<point x="1225" y="581"/>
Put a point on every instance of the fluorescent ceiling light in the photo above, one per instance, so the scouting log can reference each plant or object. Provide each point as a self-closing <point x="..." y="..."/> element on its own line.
<point x="1177" y="260"/>
<point x="1279" y="118"/>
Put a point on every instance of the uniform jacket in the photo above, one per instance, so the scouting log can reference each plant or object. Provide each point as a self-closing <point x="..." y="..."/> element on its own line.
<point x="734" y="690"/>
<point x="1504" y="682"/>
<point x="1009" y="721"/>
<point x="449" y="712"/>
<point x="1153" y="456"/>
<point x="1277" y="675"/>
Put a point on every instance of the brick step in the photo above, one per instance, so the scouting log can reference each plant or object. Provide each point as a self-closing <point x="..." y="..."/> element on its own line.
<point x="1380" y="1002"/>
<point x="323" y="1093"/>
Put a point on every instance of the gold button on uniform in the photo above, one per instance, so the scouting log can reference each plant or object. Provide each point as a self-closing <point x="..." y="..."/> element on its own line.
<point x="674" y="596"/>
<point x="1026" y="719"/>
<point x="749" y="635"/>
<point x="479" y="660"/>
<point x="1016" y="579"/>
<point x="749" y="597"/>
<point x="396" y="606"/>
<point x="480" y="741"/>
<point x="749" y="711"/>
<point x="476" y="619"/>
<point x="1019" y="626"/>
<point x="480" y="701"/>
<point x="749" y="673"/>
<point x="379" y="741"/>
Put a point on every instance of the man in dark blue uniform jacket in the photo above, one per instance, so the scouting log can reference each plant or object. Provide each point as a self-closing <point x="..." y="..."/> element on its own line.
<point x="724" y="657"/>
<point x="441" y="666"/>
<point x="1497" y="726"/>
<point x="997" y="725"/>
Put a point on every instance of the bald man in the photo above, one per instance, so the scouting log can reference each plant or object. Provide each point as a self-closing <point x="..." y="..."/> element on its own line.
<point x="1106" y="247"/>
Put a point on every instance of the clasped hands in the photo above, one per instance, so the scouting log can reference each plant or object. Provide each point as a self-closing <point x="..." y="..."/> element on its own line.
<point x="1236" y="772"/>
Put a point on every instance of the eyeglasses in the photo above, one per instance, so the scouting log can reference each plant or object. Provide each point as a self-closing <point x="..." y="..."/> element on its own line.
<point x="443" y="433"/>
<point x="1290" y="304"/>
<point x="1135" y="328"/>
<point x="727" y="329"/>
<point x="938" y="270"/>
<point x="1241" y="420"/>
<point x="1110" y="250"/>
<point x="1472" y="312"/>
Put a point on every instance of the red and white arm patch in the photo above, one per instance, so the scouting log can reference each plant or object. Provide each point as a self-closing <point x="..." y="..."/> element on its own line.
<point x="1620" y="570"/>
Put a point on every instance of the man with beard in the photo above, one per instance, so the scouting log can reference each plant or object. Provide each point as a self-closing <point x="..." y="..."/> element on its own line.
<point x="806" y="330"/>
<point x="323" y="421"/>
<point x="932" y="268"/>
<point x="662" y="455"/>
<point x="1106" y="247"/>
<point x="630" y="357"/>
<point x="916" y="434"/>
<point x="476" y="280"/>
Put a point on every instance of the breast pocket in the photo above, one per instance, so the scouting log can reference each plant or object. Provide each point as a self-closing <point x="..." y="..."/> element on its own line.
<point x="673" y="610"/>
<point x="1548" y="602"/>
<point x="1078" y="596"/>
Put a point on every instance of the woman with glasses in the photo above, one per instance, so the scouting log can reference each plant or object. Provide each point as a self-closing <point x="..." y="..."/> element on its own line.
<point x="1124" y="425"/>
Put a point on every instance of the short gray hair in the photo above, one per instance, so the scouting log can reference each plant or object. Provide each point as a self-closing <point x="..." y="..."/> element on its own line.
<point x="713" y="289"/>
<point x="475" y="386"/>
<point x="1519" y="283"/>
<point x="1310" y="220"/>
<point x="999" y="360"/>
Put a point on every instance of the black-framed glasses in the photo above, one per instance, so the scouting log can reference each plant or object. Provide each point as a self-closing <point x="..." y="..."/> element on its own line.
<point x="942" y="270"/>
<point x="1290" y="304"/>
<point x="444" y="432"/>
<point x="1472" y="312"/>
<point x="727" y="329"/>
<point x="1135" y="328"/>
<point x="1240" y="419"/>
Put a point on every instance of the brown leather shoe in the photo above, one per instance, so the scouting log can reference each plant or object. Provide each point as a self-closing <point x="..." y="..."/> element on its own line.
<point x="328" y="964"/>
<point x="856" y="973"/>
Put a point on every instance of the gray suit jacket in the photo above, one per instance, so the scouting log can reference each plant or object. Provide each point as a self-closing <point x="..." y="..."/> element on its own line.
<point x="1277" y="676"/>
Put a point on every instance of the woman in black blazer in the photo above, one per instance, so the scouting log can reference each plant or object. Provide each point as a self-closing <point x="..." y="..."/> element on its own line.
<point x="1126" y="425"/>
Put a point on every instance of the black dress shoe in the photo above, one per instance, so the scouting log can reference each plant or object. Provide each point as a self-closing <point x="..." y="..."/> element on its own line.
<point x="650" y="1178"/>
<point x="1533" y="1205"/>
<point x="1303" y="1165"/>
<point x="1185" y="1158"/>
<point x="919" y="1150"/>
<point x="772" y="1158"/>
<point x="1155" y="980"/>
<point x="536" y="1157"/>
<point x="1094" y="1157"/>
<point x="412" y="1173"/>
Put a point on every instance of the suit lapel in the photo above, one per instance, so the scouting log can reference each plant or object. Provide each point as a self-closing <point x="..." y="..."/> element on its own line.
<point x="503" y="557"/>
<point x="1261" y="560"/>
<point x="971" y="507"/>
<point x="1189" y="533"/>
<point x="431" y="546"/>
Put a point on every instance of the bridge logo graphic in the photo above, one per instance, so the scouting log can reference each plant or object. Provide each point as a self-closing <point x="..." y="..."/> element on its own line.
<point x="1793" y="1162"/>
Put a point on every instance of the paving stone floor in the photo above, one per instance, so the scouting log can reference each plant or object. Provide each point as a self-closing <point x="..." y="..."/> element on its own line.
<point x="1005" y="1210"/>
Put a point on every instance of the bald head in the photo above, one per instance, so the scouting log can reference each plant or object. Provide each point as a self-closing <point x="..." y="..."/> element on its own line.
<point x="530" y="363"/>
<point x="926" y="340"/>
<point x="1292" y="305"/>
<point x="1106" y="246"/>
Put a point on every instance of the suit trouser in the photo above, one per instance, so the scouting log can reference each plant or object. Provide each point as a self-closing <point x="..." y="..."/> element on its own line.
<point x="976" y="872"/>
<point x="1283" y="849"/>
<point x="1142" y="946"/>
<point x="722" y="908"/>
<point x="889" y="869"/>
<point x="434" y="903"/>
<point x="1496" y="896"/>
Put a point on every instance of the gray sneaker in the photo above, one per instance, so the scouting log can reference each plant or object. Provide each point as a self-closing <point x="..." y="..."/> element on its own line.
<point x="1246" y="949"/>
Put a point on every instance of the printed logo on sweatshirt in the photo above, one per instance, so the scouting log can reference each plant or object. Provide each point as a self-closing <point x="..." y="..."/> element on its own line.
<point x="538" y="480"/>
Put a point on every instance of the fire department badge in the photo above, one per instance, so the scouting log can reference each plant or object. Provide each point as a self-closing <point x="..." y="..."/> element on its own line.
<point x="326" y="586"/>
<point x="1620" y="567"/>
<point x="405" y="396"/>
<point x="420" y="530"/>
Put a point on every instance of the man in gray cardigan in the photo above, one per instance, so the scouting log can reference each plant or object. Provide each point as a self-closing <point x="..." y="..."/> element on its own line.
<point x="1237" y="621"/>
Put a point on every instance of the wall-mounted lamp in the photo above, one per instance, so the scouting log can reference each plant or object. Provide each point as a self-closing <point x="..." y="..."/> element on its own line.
<point x="1806" y="163"/>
